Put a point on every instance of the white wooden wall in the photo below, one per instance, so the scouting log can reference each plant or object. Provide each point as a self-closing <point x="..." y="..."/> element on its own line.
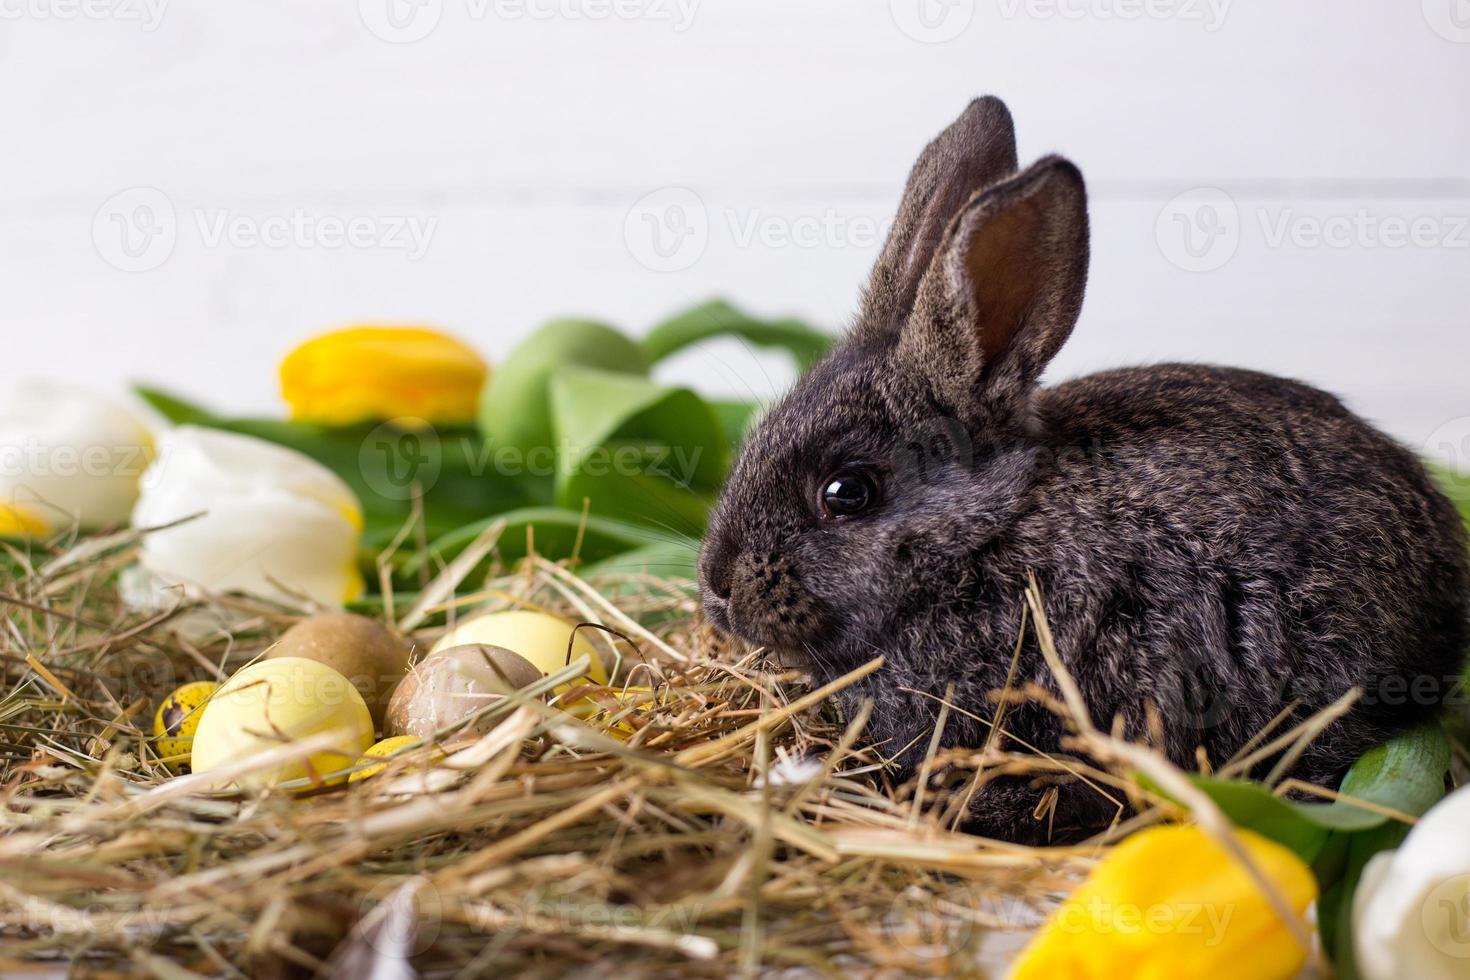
<point x="530" y="138"/>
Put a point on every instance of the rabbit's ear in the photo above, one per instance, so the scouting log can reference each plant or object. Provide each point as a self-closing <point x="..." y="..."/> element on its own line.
<point x="976" y="150"/>
<point x="1003" y="294"/>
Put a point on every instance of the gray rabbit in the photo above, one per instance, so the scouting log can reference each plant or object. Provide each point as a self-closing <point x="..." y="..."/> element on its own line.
<point x="1214" y="545"/>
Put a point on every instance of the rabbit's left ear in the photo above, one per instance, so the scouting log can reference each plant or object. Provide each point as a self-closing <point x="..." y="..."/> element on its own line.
<point x="1003" y="292"/>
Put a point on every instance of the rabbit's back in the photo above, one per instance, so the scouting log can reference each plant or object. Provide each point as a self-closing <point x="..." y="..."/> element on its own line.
<point x="1222" y="543"/>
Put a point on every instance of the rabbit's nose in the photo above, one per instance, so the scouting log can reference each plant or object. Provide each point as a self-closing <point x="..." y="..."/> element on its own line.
<point x="768" y="602"/>
<point x="714" y="567"/>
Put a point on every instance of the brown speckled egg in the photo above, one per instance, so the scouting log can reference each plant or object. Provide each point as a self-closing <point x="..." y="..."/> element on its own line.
<point x="454" y="683"/>
<point x="371" y="656"/>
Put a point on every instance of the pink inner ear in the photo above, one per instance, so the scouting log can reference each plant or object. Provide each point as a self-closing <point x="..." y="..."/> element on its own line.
<point x="1003" y="266"/>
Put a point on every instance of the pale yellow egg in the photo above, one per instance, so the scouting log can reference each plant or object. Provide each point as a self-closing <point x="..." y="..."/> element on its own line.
<point x="539" y="637"/>
<point x="275" y="702"/>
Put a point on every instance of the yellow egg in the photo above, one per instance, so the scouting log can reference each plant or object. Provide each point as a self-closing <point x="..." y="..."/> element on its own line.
<point x="381" y="750"/>
<point x="539" y="637"/>
<point x="599" y="706"/>
<point x="362" y="650"/>
<point x="275" y="702"/>
<point x="176" y="721"/>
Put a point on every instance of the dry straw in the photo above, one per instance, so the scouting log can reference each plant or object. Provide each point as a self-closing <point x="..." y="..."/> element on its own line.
<point x="742" y="828"/>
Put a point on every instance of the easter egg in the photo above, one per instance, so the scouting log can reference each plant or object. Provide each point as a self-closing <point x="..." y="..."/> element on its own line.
<point x="362" y="650"/>
<point x="176" y="721"/>
<point x="381" y="750"/>
<point x="618" y="711"/>
<point x="275" y="702"/>
<point x="539" y="637"/>
<point x="453" y="684"/>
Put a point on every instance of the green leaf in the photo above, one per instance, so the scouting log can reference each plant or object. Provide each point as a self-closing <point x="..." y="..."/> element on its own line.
<point x="1405" y="774"/>
<point x="736" y="417"/>
<point x="1253" y="806"/>
<point x="515" y="407"/>
<point x="1335" y="903"/>
<point x="664" y="559"/>
<point x="1455" y="485"/>
<point x="637" y="450"/>
<point x="554" y="531"/>
<point x="718" y="318"/>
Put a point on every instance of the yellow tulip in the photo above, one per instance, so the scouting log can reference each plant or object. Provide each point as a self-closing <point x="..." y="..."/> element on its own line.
<point x="20" y="522"/>
<point x="364" y="373"/>
<point x="1171" y="902"/>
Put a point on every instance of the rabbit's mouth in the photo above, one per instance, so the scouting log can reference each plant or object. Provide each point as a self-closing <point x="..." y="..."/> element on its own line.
<point x="762" y="600"/>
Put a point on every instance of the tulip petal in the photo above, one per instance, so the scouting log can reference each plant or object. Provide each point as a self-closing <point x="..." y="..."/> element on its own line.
<point x="67" y="456"/>
<point x="261" y="519"/>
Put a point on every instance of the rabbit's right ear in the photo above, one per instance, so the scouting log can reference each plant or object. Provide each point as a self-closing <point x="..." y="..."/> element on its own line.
<point x="977" y="150"/>
<point x="1003" y="293"/>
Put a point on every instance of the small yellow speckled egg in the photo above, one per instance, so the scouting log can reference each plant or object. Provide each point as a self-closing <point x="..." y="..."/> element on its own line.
<point x="381" y="750"/>
<point x="177" y="719"/>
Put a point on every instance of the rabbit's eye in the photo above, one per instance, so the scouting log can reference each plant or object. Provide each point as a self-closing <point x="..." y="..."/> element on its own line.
<point x="846" y="493"/>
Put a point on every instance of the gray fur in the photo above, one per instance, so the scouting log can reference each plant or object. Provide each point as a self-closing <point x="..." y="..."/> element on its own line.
<point x="1213" y="544"/>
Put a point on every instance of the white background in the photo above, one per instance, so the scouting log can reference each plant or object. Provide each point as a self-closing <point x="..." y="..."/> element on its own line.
<point x="522" y="135"/>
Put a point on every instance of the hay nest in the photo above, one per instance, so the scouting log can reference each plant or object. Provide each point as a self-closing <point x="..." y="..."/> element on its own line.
<point x="735" y="824"/>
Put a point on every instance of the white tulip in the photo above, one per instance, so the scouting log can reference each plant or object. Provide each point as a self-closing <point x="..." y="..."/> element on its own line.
<point x="1411" y="913"/>
<point x="67" y="457"/>
<point x="271" y="521"/>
